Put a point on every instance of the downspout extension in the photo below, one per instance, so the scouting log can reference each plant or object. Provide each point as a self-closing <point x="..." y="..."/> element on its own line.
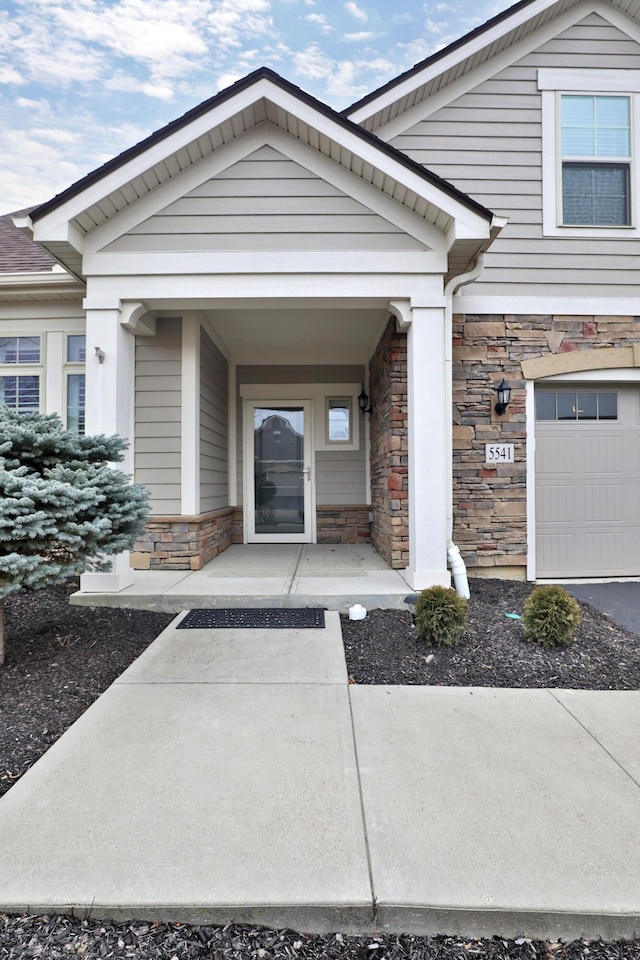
<point x="456" y="563"/>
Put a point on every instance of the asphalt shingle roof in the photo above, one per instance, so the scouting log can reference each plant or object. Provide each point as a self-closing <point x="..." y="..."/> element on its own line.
<point x="18" y="254"/>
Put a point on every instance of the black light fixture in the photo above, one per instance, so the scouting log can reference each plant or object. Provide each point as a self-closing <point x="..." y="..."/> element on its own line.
<point x="504" y="397"/>
<point x="363" y="402"/>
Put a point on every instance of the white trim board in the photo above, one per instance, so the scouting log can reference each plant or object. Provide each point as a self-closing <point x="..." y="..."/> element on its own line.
<point x="547" y="306"/>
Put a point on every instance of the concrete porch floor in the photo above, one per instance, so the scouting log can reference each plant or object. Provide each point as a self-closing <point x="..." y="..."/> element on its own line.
<point x="334" y="576"/>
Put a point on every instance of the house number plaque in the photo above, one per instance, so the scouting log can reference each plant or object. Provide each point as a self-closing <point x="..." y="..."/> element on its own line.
<point x="499" y="453"/>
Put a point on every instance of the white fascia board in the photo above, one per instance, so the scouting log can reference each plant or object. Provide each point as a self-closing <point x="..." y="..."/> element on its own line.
<point x="24" y="225"/>
<point x="569" y="80"/>
<point x="277" y="263"/>
<point x="40" y="278"/>
<point x="156" y="153"/>
<point x="171" y="292"/>
<point x="175" y="188"/>
<point x="547" y="306"/>
<point x="367" y="151"/>
<point x="64" y="232"/>
<point x="456" y="57"/>
<point x="266" y="134"/>
<point x="485" y="71"/>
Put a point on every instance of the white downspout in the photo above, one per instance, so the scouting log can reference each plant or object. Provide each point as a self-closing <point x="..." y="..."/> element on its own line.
<point x="456" y="562"/>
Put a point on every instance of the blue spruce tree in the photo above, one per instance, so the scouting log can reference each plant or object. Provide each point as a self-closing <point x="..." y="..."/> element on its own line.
<point x="63" y="508"/>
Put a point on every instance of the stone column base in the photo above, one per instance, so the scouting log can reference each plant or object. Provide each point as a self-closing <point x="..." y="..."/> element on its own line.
<point x="183" y="543"/>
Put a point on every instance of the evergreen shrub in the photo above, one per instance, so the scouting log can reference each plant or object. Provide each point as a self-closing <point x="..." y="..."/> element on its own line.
<point x="441" y="615"/>
<point x="550" y="616"/>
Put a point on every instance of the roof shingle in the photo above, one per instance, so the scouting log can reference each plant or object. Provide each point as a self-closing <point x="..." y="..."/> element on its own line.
<point x="19" y="254"/>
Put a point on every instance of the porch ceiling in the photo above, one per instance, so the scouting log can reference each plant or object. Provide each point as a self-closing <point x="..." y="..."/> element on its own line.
<point x="298" y="336"/>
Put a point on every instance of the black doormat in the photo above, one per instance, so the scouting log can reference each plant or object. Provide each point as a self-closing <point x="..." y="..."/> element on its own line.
<point x="247" y="618"/>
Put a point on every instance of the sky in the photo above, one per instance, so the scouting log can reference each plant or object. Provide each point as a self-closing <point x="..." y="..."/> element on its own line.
<point x="82" y="80"/>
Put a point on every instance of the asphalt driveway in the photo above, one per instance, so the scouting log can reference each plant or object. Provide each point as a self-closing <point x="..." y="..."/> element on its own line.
<point x="621" y="601"/>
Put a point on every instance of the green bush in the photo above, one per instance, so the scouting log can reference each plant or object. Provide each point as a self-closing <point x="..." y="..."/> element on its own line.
<point x="550" y="616"/>
<point x="441" y="615"/>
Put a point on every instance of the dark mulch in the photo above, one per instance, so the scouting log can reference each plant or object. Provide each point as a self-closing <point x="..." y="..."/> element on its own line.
<point x="385" y="648"/>
<point x="56" y="937"/>
<point x="60" y="658"/>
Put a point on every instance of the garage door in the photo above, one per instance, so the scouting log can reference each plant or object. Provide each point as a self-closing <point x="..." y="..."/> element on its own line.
<point x="587" y="481"/>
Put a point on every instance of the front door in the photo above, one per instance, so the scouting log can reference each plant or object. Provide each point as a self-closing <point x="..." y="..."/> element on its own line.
<point x="278" y="480"/>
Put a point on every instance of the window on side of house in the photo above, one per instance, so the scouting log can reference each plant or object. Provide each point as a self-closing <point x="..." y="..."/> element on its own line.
<point x="595" y="144"/>
<point x="75" y="382"/>
<point x="338" y="420"/>
<point x="20" y="373"/>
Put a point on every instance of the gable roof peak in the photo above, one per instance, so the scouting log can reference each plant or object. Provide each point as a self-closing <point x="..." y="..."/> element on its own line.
<point x="465" y="54"/>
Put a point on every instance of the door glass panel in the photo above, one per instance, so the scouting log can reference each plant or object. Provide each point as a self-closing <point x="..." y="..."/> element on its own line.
<point x="279" y="469"/>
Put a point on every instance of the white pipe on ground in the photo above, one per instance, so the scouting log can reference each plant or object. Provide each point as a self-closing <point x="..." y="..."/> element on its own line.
<point x="456" y="563"/>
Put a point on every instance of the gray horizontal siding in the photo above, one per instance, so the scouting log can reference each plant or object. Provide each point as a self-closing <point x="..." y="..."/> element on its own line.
<point x="489" y="144"/>
<point x="341" y="477"/>
<point x="266" y="202"/>
<point x="158" y="427"/>
<point x="214" y="435"/>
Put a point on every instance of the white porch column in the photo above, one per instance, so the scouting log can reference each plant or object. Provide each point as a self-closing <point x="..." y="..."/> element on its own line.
<point x="428" y="410"/>
<point x="109" y="398"/>
<point x="190" y="450"/>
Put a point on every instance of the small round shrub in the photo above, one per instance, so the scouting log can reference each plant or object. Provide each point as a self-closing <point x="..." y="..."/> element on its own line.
<point x="441" y="615"/>
<point x="550" y="616"/>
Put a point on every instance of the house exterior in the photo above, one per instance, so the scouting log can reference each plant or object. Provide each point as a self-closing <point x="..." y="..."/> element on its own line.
<point x="223" y="293"/>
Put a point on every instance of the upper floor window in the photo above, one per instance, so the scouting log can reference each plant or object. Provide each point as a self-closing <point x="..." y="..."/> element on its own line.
<point x="596" y="160"/>
<point x="589" y="163"/>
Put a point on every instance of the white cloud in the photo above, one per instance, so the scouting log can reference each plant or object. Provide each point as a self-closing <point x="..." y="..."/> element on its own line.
<point x="232" y="21"/>
<point x="356" y="11"/>
<point x="343" y="80"/>
<point x="9" y="75"/>
<point x="358" y="37"/>
<point x="160" y="90"/>
<point x="321" y="21"/>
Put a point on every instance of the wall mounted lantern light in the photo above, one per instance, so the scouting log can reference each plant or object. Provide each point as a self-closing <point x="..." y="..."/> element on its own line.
<point x="363" y="402"/>
<point x="504" y="397"/>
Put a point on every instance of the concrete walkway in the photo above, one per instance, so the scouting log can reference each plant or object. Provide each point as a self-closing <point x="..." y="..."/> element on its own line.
<point x="274" y="575"/>
<point x="237" y="775"/>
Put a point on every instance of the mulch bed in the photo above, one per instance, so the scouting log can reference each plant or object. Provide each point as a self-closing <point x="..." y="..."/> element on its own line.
<point x="54" y="938"/>
<point x="385" y="648"/>
<point x="60" y="658"/>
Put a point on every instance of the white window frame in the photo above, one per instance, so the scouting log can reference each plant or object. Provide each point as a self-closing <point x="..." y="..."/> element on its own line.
<point x="27" y="369"/>
<point x="347" y="400"/>
<point x="72" y="367"/>
<point x="553" y="84"/>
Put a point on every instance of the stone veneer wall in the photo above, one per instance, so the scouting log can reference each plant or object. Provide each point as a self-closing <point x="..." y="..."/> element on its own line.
<point x="182" y="543"/>
<point x="490" y="501"/>
<point x="389" y="448"/>
<point x="342" y="524"/>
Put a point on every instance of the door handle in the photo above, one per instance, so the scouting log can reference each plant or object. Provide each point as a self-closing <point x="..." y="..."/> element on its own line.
<point x="306" y="473"/>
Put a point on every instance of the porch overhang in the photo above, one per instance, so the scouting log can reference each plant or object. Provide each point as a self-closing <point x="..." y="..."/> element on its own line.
<point x="263" y="108"/>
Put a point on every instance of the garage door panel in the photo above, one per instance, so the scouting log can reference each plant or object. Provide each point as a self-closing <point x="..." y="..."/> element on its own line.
<point x="588" y="488"/>
<point x="555" y="551"/>
<point x="555" y="456"/>
<point x="556" y="503"/>
<point x="603" y="454"/>
<point x="604" y="550"/>
<point x="603" y="503"/>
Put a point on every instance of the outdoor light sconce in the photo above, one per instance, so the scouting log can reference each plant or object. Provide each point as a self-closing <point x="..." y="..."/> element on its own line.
<point x="99" y="354"/>
<point x="363" y="402"/>
<point x="504" y="397"/>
